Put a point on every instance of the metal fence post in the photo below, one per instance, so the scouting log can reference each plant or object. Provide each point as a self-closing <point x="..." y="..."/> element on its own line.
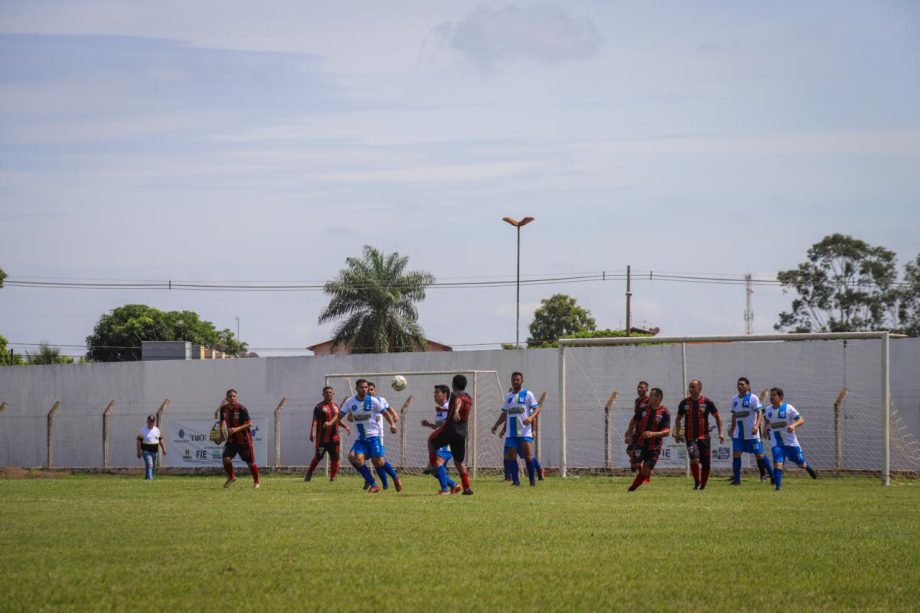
<point x="278" y="432"/>
<point x="105" y="434"/>
<point x="51" y="413"/>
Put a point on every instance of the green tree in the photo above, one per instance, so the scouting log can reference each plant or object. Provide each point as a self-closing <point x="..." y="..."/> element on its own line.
<point x="373" y="299"/>
<point x="909" y="299"/>
<point x="8" y="357"/>
<point x="2" y="276"/>
<point x="558" y="316"/>
<point x="118" y="334"/>
<point x="47" y="354"/>
<point x="846" y="285"/>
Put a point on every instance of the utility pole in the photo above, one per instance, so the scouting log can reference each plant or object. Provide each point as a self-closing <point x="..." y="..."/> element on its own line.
<point x="628" y="301"/>
<point x="748" y="308"/>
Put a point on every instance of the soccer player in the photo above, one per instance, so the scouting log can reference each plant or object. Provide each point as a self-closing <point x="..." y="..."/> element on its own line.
<point x="149" y="441"/>
<point x="630" y="439"/>
<point x="696" y="409"/>
<point x="453" y="432"/>
<point x="366" y="410"/>
<point x="327" y="439"/>
<point x="747" y="414"/>
<point x="372" y="390"/>
<point x="441" y="395"/>
<point x="518" y="414"/>
<point x="653" y="425"/>
<point x="236" y="418"/>
<point x="783" y="420"/>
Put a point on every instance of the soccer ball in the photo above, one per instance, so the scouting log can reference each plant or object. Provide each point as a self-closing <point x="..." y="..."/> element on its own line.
<point x="398" y="383"/>
<point x="219" y="433"/>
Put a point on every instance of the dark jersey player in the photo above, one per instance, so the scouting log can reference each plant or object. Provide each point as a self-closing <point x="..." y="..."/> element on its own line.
<point x="653" y="425"/>
<point x="631" y="432"/>
<point x="695" y="409"/>
<point x="235" y="417"/>
<point x="327" y="438"/>
<point x="453" y="432"/>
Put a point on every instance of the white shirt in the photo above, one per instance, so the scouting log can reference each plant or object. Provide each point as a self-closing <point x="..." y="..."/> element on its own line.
<point x="149" y="436"/>
<point x="366" y="414"/>
<point x="745" y="408"/>
<point x="780" y="417"/>
<point x="440" y="413"/>
<point x="519" y="406"/>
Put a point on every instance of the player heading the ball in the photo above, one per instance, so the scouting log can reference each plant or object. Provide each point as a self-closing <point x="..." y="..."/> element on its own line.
<point x="453" y="433"/>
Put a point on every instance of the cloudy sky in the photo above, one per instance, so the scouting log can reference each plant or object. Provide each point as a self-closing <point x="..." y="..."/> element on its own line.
<point x="224" y="141"/>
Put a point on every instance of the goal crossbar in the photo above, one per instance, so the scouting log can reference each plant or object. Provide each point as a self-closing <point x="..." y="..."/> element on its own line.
<point x="884" y="372"/>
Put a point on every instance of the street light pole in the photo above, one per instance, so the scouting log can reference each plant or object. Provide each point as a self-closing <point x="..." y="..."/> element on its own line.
<point x="517" y="319"/>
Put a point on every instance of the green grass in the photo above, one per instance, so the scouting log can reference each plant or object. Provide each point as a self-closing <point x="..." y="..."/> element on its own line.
<point x="185" y="543"/>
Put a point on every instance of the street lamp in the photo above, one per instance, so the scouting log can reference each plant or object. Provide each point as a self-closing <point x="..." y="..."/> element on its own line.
<point x="517" y="320"/>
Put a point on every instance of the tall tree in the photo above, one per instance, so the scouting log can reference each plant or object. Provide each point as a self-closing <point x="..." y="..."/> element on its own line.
<point x="118" y="334"/>
<point x="558" y="316"/>
<point x="47" y="354"/>
<point x="8" y="357"/>
<point x="909" y="303"/>
<point x="846" y="285"/>
<point x="373" y="298"/>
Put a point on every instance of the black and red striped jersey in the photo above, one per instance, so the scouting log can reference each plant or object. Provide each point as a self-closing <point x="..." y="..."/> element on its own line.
<point x="236" y="415"/>
<point x="323" y="413"/>
<point x="696" y="413"/>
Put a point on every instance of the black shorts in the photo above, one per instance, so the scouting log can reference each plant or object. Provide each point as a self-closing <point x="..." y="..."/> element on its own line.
<point x="244" y="449"/>
<point x="332" y="449"/>
<point x="647" y="456"/>
<point x="700" y="449"/>
<point x="454" y="440"/>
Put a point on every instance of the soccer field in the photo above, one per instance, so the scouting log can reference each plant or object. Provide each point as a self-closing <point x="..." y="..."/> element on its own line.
<point x="108" y="542"/>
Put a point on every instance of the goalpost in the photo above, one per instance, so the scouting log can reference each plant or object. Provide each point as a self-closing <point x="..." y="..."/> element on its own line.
<point x="416" y="402"/>
<point x="849" y="434"/>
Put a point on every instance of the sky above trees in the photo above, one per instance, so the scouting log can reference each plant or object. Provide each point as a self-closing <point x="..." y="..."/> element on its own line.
<point x="226" y="141"/>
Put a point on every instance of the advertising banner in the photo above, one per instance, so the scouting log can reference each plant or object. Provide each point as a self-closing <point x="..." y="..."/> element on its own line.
<point x="189" y="443"/>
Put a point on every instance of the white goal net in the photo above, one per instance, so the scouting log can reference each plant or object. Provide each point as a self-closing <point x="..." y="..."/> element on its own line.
<point x="407" y="449"/>
<point x="839" y="383"/>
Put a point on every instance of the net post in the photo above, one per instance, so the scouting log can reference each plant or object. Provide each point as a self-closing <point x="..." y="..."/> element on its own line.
<point x="563" y="460"/>
<point x="278" y="432"/>
<point x="683" y="372"/>
<point x="105" y="434"/>
<point x="886" y="410"/>
<point x="838" y="432"/>
<point x="474" y="461"/>
<point x="54" y="408"/>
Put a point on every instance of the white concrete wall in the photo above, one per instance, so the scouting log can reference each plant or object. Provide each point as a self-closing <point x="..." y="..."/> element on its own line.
<point x="811" y="373"/>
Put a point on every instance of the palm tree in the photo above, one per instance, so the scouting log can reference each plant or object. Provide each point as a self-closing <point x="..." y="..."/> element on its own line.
<point x="374" y="297"/>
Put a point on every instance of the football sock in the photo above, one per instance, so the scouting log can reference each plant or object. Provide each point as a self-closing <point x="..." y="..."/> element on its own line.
<point x="465" y="479"/>
<point x="382" y="473"/>
<point x="313" y="464"/>
<point x="363" y="470"/>
<point x="761" y="467"/>
<point x="639" y="480"/>
<point x="704" y="477"/>
<point x="695" y="470"/>
<point x="390" y="470"/>
<point x="768" y="468"/>
<point x="228" y="468"/>
<point x="736" y="469"/>
<point x="333" y="469"/>
<point x="255" y="472"/>
<point x="811" y="471"/>
<point x="507" y="470"/>
<point x="537" y="465"/>
<point x="515" y="472"/>
<point x="442" y="478"/>
<point x="778" y="477"/>
<point x="531" y="472"/>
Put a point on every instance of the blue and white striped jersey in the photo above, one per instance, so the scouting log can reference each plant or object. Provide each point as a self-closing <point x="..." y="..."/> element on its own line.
<point x="366" y="414"/>
<point x="745" y="411"/>
<point x="780" y="417"/>
<point x="518" y="406"/>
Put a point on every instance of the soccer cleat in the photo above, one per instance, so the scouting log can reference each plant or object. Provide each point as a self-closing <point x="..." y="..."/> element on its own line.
<point x="467" y="492"/>
<point x="443" y="492"/>
<point x="515" y="483"/>
<point x="331" y="479"/>
<point x="366" y="485"/>
<point x="533" y="483"/>
<point x="456" y="489"/>
<point x="373" y="490"/>
<point x="257" y="485"/>
<point x="397" y="483"/>
<point x="430" y="470"/>
<point x="230" y="481"/>
<point x="541" y="474"/>
<point x="307" y="477"/>
<point x="696" y="486"/>
<point x="734" y="482"/>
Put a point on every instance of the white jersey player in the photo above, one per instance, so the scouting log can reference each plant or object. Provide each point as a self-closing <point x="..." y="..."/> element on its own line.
<point x="747" y="414"/>
<point x="783" y="420"/>
<point x="519" y="411"/>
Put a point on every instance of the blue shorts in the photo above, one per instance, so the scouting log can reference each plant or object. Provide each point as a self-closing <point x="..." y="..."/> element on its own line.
<point x="445" y="454"/>
<point x="748" y="445"/>
<point x="369" y="447"/>
<point x="781" y="452"/>
<point x="514" y="442"/>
